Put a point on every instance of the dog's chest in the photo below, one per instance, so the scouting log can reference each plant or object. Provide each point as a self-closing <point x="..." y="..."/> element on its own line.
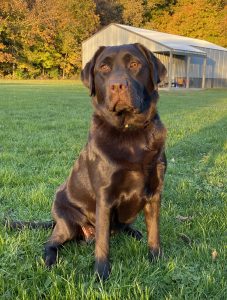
<point x="131" y="172"/>
<point x="133" y="157"/>
<point x="124" y="166"/>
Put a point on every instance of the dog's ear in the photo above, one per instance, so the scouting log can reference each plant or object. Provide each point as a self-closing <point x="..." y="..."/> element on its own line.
<point x="87" y="74"/>
<point x="157" y="68"/>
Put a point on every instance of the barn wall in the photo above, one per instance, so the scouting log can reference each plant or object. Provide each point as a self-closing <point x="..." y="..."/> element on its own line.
<point x="196" y="71"/>
<point x="179" y="63"/>
<point x="179" y="69"/>
<point x="216" y="69"/>
<point x="112" y="36"/>
<point x="164" y="58"/>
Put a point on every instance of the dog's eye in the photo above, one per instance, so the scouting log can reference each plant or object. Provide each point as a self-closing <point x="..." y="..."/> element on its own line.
<point x="133" y="65"/>
<point x="105" y="68"/>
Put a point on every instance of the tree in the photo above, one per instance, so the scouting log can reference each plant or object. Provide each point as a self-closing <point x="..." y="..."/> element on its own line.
<point x="39" y="38"/>
<point x="13" y="14"/>
<point x="202" y="19"/>
<point x="132" y="13"/>
<point x="109" y="12"/>
<point x="85" y="23"/>
<point x="53" y="41"/>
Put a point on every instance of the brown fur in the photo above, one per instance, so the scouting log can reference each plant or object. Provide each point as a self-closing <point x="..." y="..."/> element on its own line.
<point x="121" y="170"/>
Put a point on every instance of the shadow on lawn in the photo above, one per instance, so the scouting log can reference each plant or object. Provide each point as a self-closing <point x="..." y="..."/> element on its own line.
<point x="203" y="146"/>
<point x="195" y="181"/>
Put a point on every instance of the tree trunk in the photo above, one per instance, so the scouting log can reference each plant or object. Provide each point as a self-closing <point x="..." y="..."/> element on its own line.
<point x="13" y="70"/>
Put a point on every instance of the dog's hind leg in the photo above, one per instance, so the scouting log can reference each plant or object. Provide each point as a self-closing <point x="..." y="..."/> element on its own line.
<point x="62" y="232"/>
<point x="68" y="220"/>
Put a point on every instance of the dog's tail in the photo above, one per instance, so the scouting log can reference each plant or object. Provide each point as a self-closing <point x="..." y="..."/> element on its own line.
<point x="26" y="224"/>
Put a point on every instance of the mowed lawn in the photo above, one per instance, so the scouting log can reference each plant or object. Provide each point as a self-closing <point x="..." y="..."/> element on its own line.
<point x="43" y="127"/>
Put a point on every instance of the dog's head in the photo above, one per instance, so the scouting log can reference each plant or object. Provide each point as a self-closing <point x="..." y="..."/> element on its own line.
<point x="123" y="83"/>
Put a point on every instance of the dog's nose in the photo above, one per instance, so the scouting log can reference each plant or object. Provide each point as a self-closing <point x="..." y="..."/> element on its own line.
<point x="118" y="86"/>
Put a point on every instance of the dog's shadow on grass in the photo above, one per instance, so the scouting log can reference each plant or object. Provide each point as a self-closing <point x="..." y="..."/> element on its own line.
<point x="197" y="155"/>
<point x="194" y="185"/>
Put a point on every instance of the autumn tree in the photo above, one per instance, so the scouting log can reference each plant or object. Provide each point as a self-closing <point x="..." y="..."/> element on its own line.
<point x="132" y="12"/>
<point x="42" y="38"/>
<point x="13" y="14"/>
<point x="85" y="23"/>
<point x="202" y="19"/>
<point x="155" y="8"/>
<point x="120" y="11"/>
<point x="109" y="11"/>
<point x="58" y="31"/>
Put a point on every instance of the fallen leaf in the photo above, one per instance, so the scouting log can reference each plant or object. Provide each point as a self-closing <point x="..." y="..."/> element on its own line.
<point x="185" y="238"/>
<point x="214" y="255"/>
<point x="184" y="218"/>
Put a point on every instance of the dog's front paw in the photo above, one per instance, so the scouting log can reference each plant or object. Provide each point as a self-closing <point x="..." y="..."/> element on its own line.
<point x="50" y="256"/>
<point x="154" y="254"/>
<point x="102" y="269"/>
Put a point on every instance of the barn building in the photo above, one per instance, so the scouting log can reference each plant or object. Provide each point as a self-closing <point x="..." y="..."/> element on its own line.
<point x="191" y="63"/>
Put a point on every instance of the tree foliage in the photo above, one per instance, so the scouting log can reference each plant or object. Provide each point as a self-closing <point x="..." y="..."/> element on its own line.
<point x="204" y="19"/>
<point x="39" y="39"/>
<point x="132" y="12"/>
<point x="109" y="11"/>
<point x="13" y="16"/>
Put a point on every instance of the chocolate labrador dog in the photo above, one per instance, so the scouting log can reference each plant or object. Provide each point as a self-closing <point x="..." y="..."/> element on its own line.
<point x="121" y="169"/>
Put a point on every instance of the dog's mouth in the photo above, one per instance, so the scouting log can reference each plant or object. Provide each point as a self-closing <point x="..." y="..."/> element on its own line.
<point x="125" y="118"/>
<point x="122" y="112"/>
<point x="123" y="115"/>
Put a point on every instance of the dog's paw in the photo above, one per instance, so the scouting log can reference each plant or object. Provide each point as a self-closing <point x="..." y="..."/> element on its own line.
<point x="50" y="256"/>
<point x="102" y="269"/>
<point x="136" y="234"/>
<point x="154" y="254"/>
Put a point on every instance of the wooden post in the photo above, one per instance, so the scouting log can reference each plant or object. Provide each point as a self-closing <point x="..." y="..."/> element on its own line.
<point x="204" y="72"/>
<point x="187" y="71"/>
<point x="170" y="69"/>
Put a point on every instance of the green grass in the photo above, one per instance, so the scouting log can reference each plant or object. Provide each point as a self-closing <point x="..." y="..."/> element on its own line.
<point x="43" y="127"/>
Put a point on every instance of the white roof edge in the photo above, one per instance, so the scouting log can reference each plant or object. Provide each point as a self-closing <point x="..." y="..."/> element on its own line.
<point x="193" y="42"/>
<point x="189" y="43"/>
<point x="125" y="27"/>
<point x="120" y="25"/>
<point x="168" y="46"/>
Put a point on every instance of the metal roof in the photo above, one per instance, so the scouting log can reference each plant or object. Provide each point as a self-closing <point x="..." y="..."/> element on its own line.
<point x="172" y="41"/>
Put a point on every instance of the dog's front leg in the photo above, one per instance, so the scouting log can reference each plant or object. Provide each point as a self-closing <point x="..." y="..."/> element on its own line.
<point x="152" y="212"/>
<point x="102" y="236"/>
